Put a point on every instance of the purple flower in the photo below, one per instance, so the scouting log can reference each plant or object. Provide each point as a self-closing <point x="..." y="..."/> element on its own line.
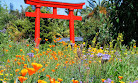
<point x="106" y="57"/>
<point x="84" y="56"/>
<point x="3" y="31"/>
<point x="136" y="81"/>
<point x="99" y="54"/>
<point x="2" y="55"/>
<point x="30" y="54"/>
<point x="108" y="80"/>
<point x="80" y="81"/>
<point x="91" y="55"/>
<point x="87" y="68"/>
<point x="101" y="47"/>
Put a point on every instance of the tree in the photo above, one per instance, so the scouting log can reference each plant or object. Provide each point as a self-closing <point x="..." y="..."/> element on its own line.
<point x="124" y="15"/>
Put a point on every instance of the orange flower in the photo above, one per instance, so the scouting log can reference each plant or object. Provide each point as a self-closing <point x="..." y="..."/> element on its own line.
<point x="46" y="39"/>
<point x="18" y="63"/>
<point x="54" y="41"/>
<point x="90" y="61"/>
<point x="21" y="79"/>
<point x="24" y="67"/>
<point x="53" y="70"/>
<point x="25" y="64"/>
<point x="52" y="80"/>
<point x="59" y="79"/>
<point x="41" y="81"/>
<point x="17" y="55"/>
<point x="43" y="69"/>
<point x="48" y="76"/>
<point x="43" y="52"/>
<point x="23" y="59"/>
<point x="8" y="61"/>
<point x="46" y="65"/>
<point x="39" y="39"/>
<point x="56" y="67"/>
<point x="36" y="66"/>
<point x="53" y="45"/>
<point x="103" y="80"/>
<point x="73" y="62"/>
<point x="56" y="58"/>
<point x="120" y="77"/>
<point x="6" y="50"/>
<point x="22" y="62"/>
<point x="31" y="71"/>
<point x="15" y="59"/>
<point x="10" y="46"/>
<point x="50" y="46"/>
<point x="2" y="70"/>
<point x="134" y="46"/>
<point x="66" y="62"/>
<point x="57" y="64"/>
<point x="32" y="51"/>
<point x="21" y="50"/>
<point x="75" y="81"/>
<point x="24" y="72"/>
<point x="27" y="45"/>
<point x="16" y="70"/>
<point x="28" y="60"/>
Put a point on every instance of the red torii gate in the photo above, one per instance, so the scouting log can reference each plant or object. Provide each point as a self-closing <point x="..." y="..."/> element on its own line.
<point x="55" y="5"/>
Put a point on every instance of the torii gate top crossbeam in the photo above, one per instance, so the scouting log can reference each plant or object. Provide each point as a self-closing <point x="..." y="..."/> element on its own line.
<point x="55" y="4"/>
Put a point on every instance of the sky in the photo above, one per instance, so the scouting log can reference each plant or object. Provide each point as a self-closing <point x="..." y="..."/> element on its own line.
<point x="17" y="3"/>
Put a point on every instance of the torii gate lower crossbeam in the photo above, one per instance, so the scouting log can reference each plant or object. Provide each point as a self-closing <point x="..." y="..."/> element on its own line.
<point x="39" y="15"/>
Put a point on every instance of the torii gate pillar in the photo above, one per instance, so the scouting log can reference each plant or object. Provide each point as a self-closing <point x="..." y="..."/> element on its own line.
<point x="37" y="25"/>
<point x="71" y="25"/>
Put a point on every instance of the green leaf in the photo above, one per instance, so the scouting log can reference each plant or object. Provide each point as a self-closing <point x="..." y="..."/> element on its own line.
<point x="117" y="20"/>
<point x="12" y="81"/>
<point x="101" y="15"/>
<point x="42" y="77"/>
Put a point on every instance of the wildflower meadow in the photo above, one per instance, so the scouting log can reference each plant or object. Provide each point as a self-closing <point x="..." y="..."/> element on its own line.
<point x="63" y="62"/>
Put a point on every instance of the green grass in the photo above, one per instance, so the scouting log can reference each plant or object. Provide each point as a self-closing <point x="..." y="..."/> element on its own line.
<point x="123" y="62"/>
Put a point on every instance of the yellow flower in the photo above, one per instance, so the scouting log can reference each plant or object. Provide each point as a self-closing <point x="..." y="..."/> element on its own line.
<point x="121" y="82"/>
<point x="24" y="72"/>
<point x="6" y="74"/>
<point x="36" y="49"/>
<point x="41" y="81"/>
<point x="56" y="82"/>
<point x="59" y="79"/>
<point x="112" y="81"/>
<point x="134" y="46"/>
<point x="11" y="74"/>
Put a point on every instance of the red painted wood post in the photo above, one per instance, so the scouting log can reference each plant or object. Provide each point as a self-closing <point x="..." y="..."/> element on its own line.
<point x="71" y="25"/>
<point x="54" y="10"/>
<point x="37" y="25"/>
